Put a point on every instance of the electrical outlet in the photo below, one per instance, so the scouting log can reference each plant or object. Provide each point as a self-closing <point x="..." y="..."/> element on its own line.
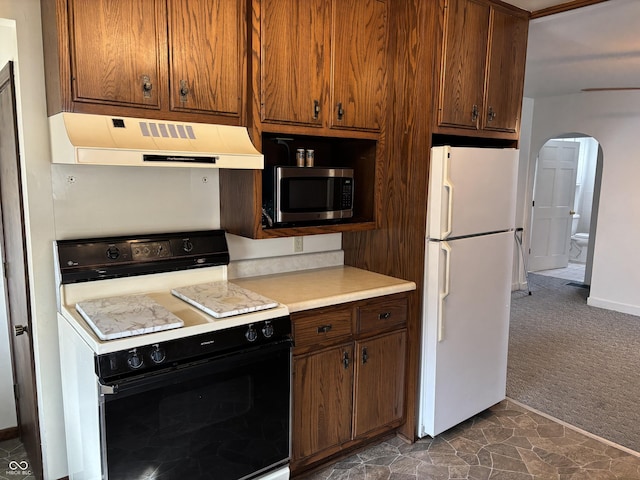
<point x="298" y="245"/>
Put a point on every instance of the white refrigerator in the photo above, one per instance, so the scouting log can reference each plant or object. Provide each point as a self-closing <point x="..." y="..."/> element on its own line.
<point x="468" y="272"/>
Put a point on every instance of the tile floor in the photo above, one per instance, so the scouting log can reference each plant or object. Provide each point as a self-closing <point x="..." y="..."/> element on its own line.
<point x="14" y="464"/>
<point x="506" y="442"/>
<point x="573" y="272"/>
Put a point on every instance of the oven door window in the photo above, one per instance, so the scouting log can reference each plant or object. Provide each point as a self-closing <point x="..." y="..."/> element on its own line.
<point x="223" y="419"/>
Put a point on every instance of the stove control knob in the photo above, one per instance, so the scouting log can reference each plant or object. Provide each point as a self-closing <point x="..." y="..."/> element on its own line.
<point x="267" y="330"/>
<point x="251" y="334"/>
<point x="158" y="355"/>
<point x="134" y="360"/>
<point x="113" y="252"/>
<point x="187" y="246"/>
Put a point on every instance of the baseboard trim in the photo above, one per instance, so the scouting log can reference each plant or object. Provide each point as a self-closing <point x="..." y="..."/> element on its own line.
<point x="615" y="306"/>
<point x="9" y="433"/>
<point x="576" y="429"/>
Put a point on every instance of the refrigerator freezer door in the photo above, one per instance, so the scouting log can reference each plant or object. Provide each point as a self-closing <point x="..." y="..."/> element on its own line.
<point x="471" y="190"/>
<point x="465" y="329"/>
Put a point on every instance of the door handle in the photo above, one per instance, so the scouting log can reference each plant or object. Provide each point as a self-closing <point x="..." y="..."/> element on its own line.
<point x="20" y="329"/>
<point x="445" y="292"/>
<point x="448" y="186"/>
<point x="572" y="212"/>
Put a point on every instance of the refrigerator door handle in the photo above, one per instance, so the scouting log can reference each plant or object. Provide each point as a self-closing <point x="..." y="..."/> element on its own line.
<point x="444" y="246"/>
<point x="448" y="186"/>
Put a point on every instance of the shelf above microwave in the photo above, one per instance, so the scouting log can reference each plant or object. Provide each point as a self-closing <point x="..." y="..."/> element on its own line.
<point x="244" y="194"/>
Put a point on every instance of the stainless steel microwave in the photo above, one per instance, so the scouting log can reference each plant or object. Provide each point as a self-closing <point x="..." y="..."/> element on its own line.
<point x="312" y="193"/>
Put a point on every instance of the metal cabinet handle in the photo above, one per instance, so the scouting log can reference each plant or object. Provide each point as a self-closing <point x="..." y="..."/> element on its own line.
<point x="345" y="359"/>
<point x="365" y="355"/>
<point x="184" y="90"/>
<point x="324" y="328"/>
<point x="474" y="113"/>
<point x="147" y="86"/>
<point x="316" y="109"/>
<point x="340" y="111"/>
<point x="491" y="115"/>
<point x="384" y="316"/>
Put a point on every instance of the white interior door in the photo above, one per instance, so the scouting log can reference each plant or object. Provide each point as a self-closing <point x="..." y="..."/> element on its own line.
<point x="466" y="329"/>
<point x="553" y="198"/>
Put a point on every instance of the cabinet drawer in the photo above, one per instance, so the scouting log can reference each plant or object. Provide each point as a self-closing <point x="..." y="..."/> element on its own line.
<point x="321" y="327"/>
<point x="382" y="315"/>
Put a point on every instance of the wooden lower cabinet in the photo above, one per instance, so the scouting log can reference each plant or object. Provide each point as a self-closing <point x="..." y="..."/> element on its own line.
<point x="379" y="382"/>
<point x="322" y="400"/>
<point x="348" y="382"/>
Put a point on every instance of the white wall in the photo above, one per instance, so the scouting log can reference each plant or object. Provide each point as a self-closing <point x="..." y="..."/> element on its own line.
<point x="613" y="119"/>
<point x="8" y="51"/>
<point x="36" y="177"/>
<point x="96" y="201"/>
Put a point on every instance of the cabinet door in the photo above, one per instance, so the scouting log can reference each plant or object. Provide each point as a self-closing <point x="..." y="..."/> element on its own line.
<point x="117" y="51"/>
<point x="505" y="77"/>
<point x="322" y="388"/>
<point x="465" y="43"/>
<point x="294" y="60"/>
<point x="359" y="42"/>
<point x="379" y="383"/>
<point x="207" y="47"/>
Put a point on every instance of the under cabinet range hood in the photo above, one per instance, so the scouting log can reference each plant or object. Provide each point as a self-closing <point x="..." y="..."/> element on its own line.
<point x="80" y="138"/>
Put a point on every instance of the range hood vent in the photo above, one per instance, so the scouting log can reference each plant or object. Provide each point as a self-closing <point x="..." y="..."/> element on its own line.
<point x="105" y="140"/>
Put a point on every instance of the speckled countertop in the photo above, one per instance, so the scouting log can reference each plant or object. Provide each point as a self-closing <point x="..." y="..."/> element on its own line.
<point x="321" y="287"/>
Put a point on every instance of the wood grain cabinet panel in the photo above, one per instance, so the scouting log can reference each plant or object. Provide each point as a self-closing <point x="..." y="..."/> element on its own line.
<point x="350" y="387"/>
<point x="322" y="400"/>
<point x="463" y="65"/>
<point x="206" y="48"/>
<point x="379" y="382"/>
<point x="116" y="58"/>
<point x="322" y="64"/>
<point x="505" y="74"/>
<point x="166" y="59"/>
<point x="359" y="42"/>
<point x="294" y="50"/>
<point x="482" y="66"/>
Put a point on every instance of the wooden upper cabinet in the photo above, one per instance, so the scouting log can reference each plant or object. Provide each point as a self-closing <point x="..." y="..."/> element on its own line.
<point x="294" y="56"/>
<point x="322" y="63"/>
<point x="205" y="55"/>
<point x="481" y="68"/>
<point x="463" y="64"/>
<point x="505" y="74"/>
<point x="168" y="59"/>
<point x="116" y="56"/>
<point x="359" y="43"/>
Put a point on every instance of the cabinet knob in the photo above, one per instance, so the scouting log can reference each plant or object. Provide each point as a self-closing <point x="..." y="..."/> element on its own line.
<point x="184" y="91"/>
<point x="340" y="111"/>
<point x="491" y="115"/>
<point x="365" y="355"/>
<point x="316" y="109"/>
<point x="146" y="86"/>
<point x="384" y="316"/>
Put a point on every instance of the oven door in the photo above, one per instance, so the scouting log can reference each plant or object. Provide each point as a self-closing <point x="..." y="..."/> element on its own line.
<point x="225" y="418"/>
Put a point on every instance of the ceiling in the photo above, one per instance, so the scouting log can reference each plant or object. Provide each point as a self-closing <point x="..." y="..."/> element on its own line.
<point x="597" y="46"/>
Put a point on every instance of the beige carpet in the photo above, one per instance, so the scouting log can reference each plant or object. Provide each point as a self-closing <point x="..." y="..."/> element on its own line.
<point x="578" y="363"/>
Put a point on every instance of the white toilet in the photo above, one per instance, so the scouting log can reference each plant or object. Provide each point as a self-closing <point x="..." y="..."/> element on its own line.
<point x="579" y="241"/>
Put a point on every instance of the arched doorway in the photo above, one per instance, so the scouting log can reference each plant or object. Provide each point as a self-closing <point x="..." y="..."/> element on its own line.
<point x="565" y="207"/>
